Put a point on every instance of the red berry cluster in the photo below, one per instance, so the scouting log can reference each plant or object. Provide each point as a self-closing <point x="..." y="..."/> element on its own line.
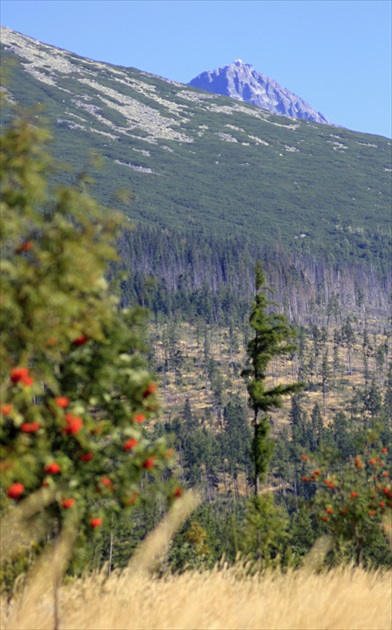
<point x="81" y="340"/>
<point x="16" y="490"/>
<point x="21" y="375"/>
<point x="62" y="402"/>
<point x="73" y="424"/>
<point x="26" y="246"/>
<point x="30" y="427"/>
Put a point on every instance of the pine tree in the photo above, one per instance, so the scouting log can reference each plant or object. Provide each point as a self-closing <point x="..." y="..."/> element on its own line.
<point x="388" y="393"/>
<point x="348" y="337"/>
<point x="264" y="530"/>
<point x="273" y="338"/>
<point x="301" y="531"/>
<point x="299" y="424"/>
<point x="235" y="437"/>
<point x="325" y="374"/>
<point x="372" y="399"/>
<point x="190" y="421"/>
<point x="317" y="427"/>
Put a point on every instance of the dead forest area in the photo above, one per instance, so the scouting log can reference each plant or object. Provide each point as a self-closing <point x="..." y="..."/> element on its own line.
<point x="199" y="295"/>
<point x="198" y="343"/>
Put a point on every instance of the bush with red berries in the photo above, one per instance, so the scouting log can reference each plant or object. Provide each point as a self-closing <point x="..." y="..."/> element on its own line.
<point x="76" y="395"/>
<point x="352" y="502"/>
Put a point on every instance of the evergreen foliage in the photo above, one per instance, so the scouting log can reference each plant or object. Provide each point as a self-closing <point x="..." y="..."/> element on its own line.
<point x="264" y="531"/>
<point x="272" y="338"/>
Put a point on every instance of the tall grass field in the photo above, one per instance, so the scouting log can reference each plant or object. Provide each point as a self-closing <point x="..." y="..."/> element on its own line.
<point x="225" y="598"/>
<point x="221" y="599"/>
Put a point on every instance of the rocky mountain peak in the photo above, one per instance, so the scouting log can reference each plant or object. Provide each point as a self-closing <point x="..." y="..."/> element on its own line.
<point x="241" y="81"/>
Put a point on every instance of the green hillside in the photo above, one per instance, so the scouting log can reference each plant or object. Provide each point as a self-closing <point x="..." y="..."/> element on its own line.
<point x="199" y="162"/>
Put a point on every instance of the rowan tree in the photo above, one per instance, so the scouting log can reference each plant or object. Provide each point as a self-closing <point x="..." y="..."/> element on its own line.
<point x="353" y="502"/>
<point x="76" y="394"/>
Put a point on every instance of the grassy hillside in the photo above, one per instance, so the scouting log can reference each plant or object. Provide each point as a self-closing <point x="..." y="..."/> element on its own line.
<point x="195" y="161"/>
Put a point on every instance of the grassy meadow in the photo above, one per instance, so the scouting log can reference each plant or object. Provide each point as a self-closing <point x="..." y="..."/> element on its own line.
<point x="224" y="598"/>
<point x="339" y="599"/>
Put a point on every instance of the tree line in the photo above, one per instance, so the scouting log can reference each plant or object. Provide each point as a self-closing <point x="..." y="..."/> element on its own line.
<point x="186" y="276"/>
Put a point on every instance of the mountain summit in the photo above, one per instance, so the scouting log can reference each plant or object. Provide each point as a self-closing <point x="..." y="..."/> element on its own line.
<point x="241" y="81"/>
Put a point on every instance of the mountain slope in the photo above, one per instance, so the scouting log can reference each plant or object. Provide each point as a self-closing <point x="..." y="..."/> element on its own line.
<point x="201" y="162"/>
<point x="240" y="80"/>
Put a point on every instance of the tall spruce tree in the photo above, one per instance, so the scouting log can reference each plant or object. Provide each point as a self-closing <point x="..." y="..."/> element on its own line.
<point x="273" y="338"/>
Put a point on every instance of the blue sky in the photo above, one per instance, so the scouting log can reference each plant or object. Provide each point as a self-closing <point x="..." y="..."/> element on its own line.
<point x="335" y="54"/>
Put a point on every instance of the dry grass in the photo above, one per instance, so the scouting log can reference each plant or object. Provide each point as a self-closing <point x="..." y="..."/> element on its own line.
<point x="226" y="598"/>
<point x="341" y="599"/>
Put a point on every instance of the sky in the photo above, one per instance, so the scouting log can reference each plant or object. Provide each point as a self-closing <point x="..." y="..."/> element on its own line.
<point x="335" y="54"/>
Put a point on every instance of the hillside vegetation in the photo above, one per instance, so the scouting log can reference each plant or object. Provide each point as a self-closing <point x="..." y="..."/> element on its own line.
<point x="196" y="162"/>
